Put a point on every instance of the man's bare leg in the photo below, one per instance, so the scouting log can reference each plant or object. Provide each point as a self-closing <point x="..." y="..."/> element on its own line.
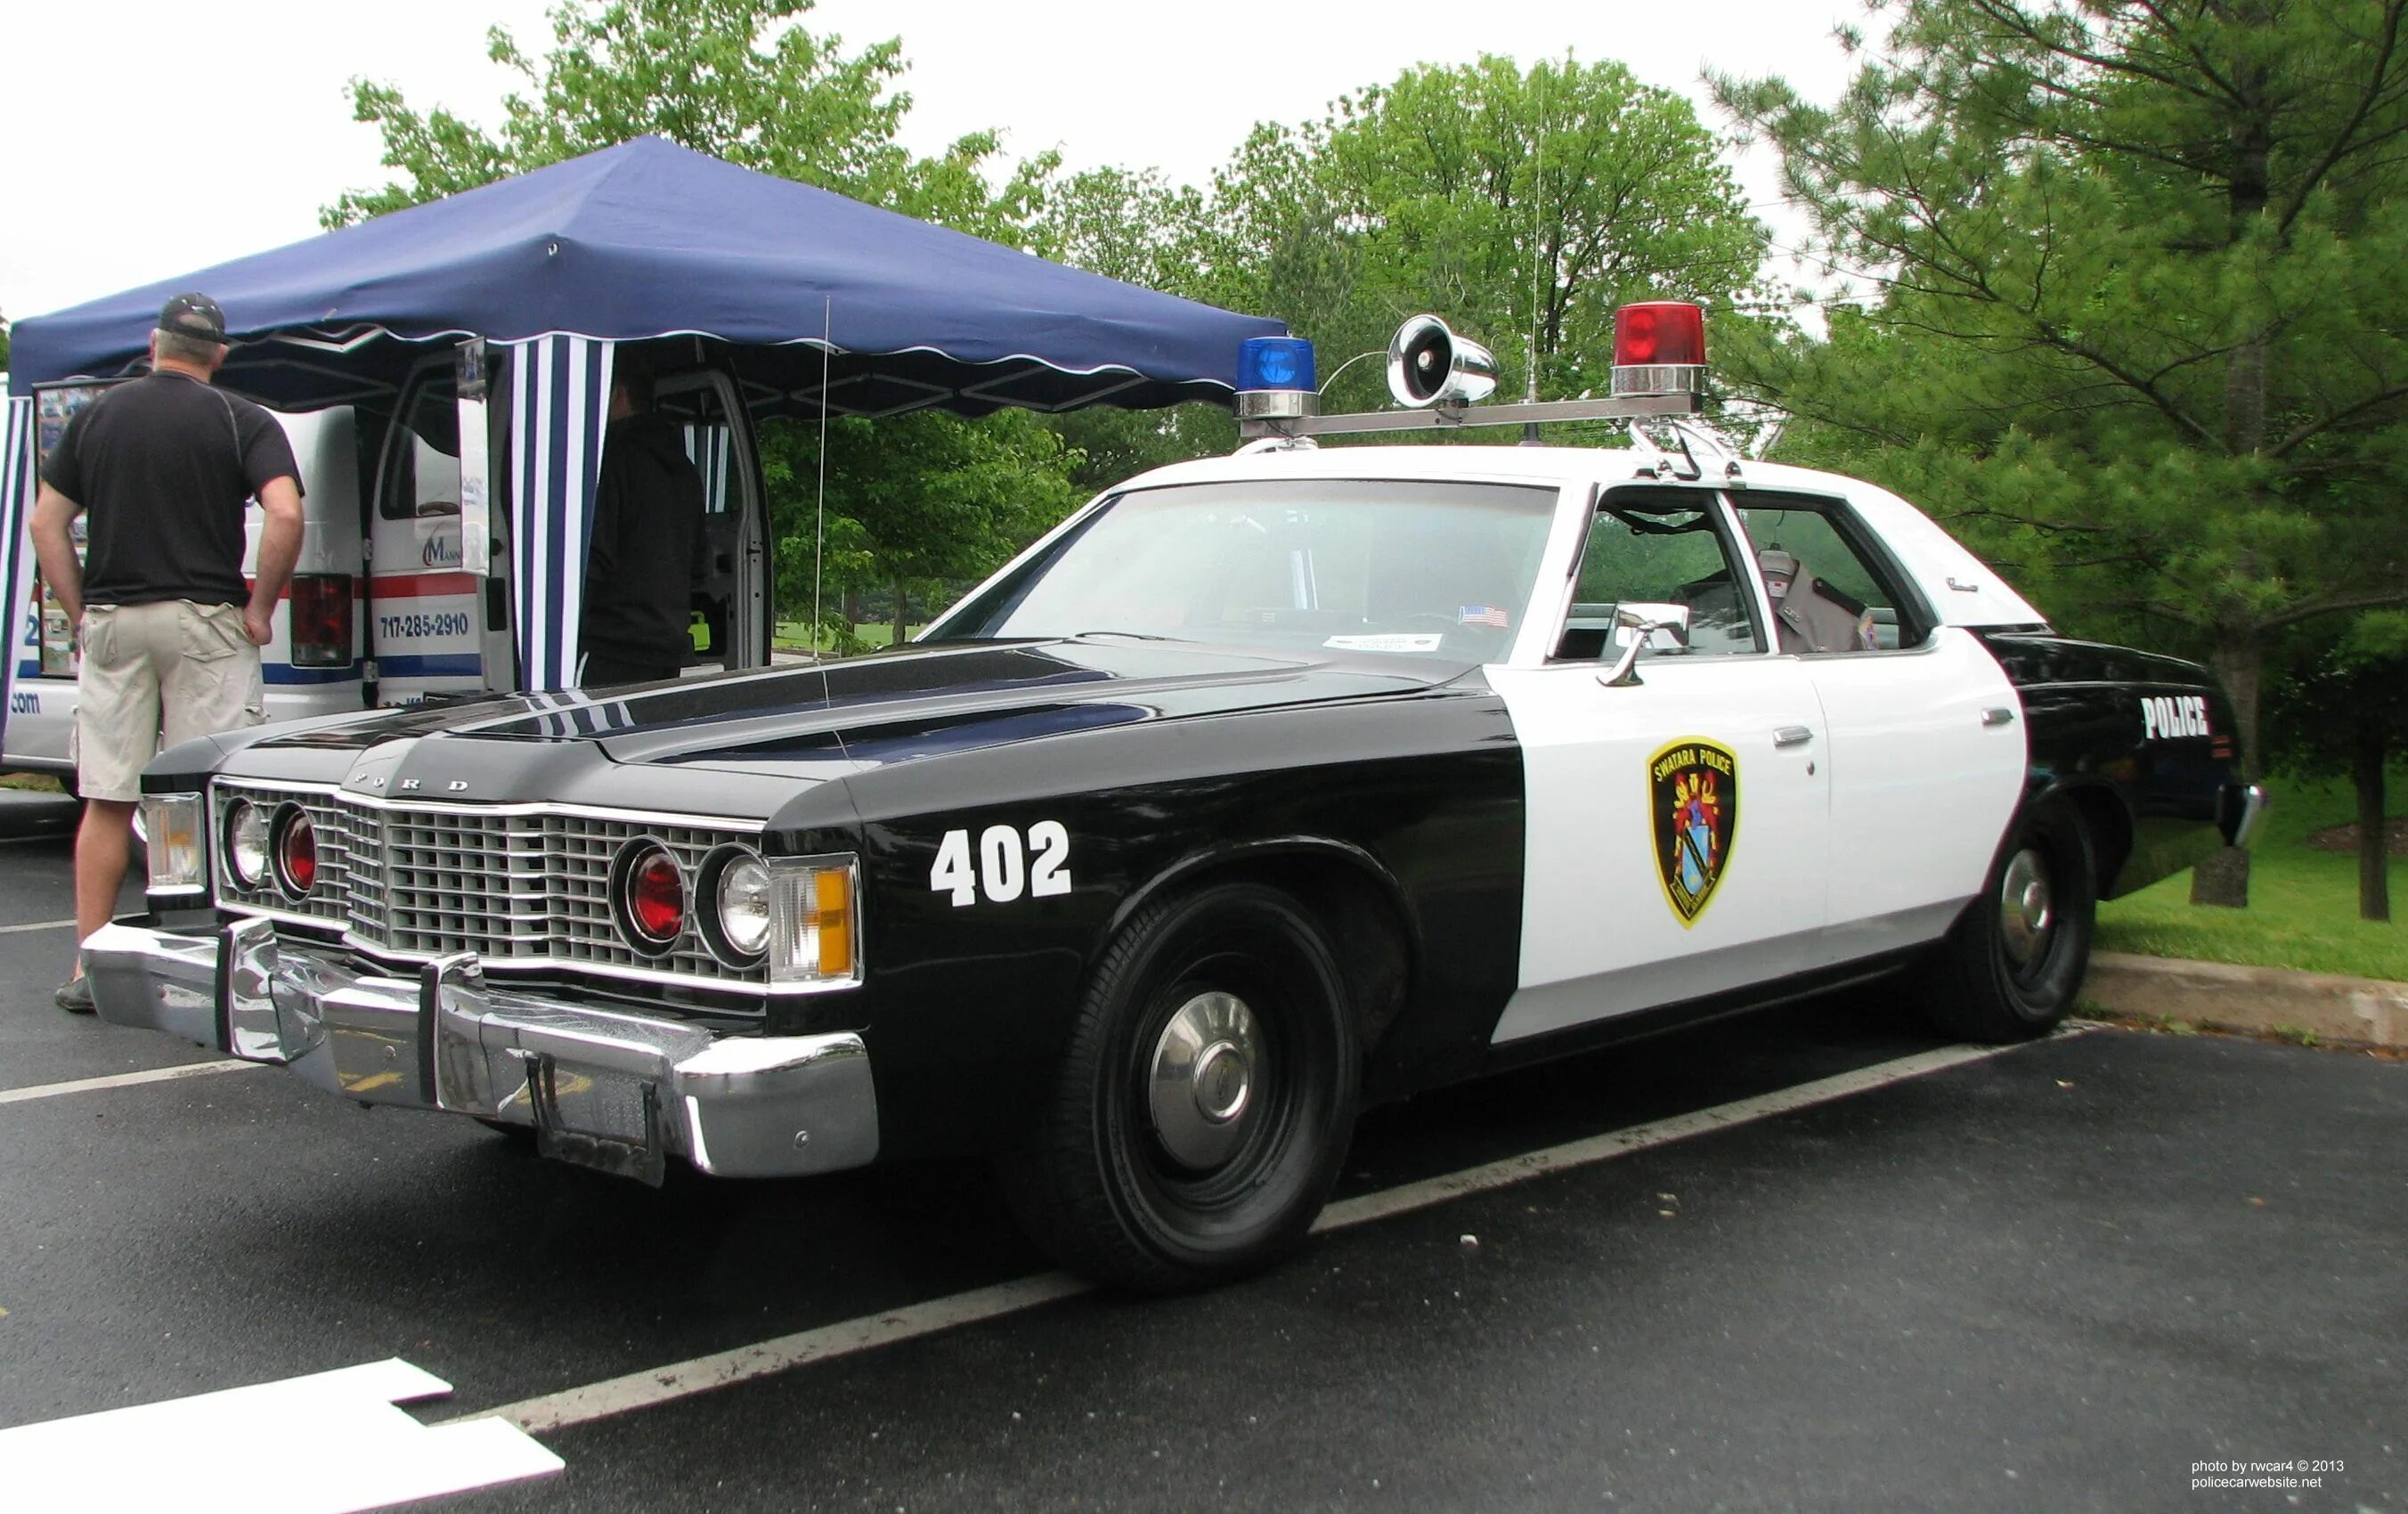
<point x="103" y="843"/>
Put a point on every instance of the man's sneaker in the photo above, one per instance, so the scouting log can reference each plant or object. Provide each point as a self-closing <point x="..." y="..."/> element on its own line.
<point x="75" y="996"/>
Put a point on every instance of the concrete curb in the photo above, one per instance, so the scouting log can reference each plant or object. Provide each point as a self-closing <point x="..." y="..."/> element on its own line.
<point x="2364" y="1011"/>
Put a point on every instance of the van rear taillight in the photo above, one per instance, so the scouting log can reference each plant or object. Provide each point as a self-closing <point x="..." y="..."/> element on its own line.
<point x="322" y="621"/>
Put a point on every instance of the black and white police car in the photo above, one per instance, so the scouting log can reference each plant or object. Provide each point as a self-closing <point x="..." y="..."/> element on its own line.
<point x="1263" y="787"/>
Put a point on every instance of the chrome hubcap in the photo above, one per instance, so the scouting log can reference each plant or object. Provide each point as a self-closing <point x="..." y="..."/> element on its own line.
<point x="2023" y="911"/>
<point x="1202" y="1085"/>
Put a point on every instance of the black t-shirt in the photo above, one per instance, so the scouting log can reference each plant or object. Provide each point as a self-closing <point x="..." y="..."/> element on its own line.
<point x="163" y="465"/>
<point x="647" y="542"/>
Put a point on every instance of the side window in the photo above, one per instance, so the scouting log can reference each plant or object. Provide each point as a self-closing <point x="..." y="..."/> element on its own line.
<point x="1666" y="559"/>
<point x="424" y="479"/>
<point x="1828" y="595"/>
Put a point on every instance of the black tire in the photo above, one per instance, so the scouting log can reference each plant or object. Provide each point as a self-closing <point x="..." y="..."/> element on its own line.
<point x="1186" y="1143"/>
<point x="2011" y="966"/>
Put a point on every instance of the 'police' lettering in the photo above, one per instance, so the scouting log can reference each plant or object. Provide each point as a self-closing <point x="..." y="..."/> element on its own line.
<point x="2164" y="716"/>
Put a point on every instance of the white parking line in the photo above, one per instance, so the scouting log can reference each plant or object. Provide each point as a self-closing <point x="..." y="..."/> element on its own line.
<point x="684" y="1380"/>
<point x="89" y="1085"/>
<point x="37" y="925"/>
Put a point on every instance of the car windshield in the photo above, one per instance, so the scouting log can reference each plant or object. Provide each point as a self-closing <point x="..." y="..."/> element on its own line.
<point x="1430" y="569"/>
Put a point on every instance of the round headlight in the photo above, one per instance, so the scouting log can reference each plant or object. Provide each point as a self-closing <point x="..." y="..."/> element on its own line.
<point x="246" y="843"/>
<point x="296" y="851"/>
<point x="648" y="888"/>
<point x="737" y="884"/>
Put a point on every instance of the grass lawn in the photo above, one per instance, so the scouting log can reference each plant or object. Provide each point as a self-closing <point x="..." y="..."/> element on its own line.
<point x="789" y="636"/>
<point x="2302" y="902"/>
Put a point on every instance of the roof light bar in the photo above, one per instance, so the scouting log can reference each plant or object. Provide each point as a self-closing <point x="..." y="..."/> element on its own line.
<point x="1660" y="370"/>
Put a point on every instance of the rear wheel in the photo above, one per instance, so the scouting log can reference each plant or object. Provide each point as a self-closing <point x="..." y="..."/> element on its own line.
<point x="1205" y="1101"/>
<point x="2011" y="966"/>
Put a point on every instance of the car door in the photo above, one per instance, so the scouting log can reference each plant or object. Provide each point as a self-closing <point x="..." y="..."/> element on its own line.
<point x="1925" y="751"/>
<point x="1676" y="822"/>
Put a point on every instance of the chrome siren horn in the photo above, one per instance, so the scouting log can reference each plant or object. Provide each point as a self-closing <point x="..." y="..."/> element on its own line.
<point x="1429" y="365"/>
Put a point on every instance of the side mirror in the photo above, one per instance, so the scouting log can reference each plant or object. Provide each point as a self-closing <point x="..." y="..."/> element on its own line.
<point x="1636" y="622"/>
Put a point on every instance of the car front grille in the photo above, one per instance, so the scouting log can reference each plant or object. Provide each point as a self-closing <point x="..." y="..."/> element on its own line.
<point x="519" y="886"/>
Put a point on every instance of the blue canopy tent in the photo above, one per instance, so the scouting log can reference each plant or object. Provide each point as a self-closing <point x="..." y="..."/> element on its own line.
<point x="824" y="304"/>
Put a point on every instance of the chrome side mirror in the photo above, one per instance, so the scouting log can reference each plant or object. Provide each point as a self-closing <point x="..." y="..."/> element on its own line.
<point x="1639" y="620"/>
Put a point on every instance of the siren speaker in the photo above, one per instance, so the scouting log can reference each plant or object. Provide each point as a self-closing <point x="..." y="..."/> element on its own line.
<point x="1429" y="365"/>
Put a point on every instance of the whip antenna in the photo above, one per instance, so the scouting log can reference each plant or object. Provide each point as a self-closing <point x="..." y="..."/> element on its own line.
<point x="819" y="529"/>
<point x="1538" y="201"/>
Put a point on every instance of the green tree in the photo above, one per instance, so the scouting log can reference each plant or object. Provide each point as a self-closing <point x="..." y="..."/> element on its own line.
<point x="2342" y="711"/>
<point x="925" y="499"/>
<point x="2140" y="327"/>
<point x="743" y="80"/>
<point x="1525" y="205"/>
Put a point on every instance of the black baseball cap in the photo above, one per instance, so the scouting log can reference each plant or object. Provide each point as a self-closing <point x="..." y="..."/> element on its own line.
<point x="196" y="316"/>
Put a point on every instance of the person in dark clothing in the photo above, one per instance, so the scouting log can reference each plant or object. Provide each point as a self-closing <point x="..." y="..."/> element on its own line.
<point x="647" y="550"/>
<point x="170" y="629"/>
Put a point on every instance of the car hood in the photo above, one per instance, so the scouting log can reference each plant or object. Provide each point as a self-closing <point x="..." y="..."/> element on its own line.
<point x="823" y="719"/>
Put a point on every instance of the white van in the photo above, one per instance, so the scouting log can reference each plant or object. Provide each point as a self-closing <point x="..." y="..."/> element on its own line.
<point x="402" y="621"/>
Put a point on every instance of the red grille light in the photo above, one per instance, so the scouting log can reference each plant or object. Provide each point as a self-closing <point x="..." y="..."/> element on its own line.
<point x="296" y="853"/>
<point x="1660" y="333"/>
<point x="322" y="621"/>
<point x="656" y="897"/>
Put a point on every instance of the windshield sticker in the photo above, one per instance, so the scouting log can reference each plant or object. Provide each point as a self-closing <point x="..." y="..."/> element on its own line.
<point x="2184" y="715"/>
<point x="1395" y="641"/>
<point x="1693" y="794"/>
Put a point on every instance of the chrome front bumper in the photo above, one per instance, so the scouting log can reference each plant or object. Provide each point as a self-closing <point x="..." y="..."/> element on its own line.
<point x="603" y="1088"/>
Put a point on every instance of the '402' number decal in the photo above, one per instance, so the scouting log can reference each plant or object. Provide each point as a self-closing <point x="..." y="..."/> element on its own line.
<point x="1006" y="868"/>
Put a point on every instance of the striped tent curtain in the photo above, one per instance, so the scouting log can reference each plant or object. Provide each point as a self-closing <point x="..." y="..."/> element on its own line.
<point x="560" y="404"/>
<point x="16" y="543"/>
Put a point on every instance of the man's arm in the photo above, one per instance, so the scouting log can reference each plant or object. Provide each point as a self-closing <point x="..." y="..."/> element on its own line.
<point x="54" y="514"/>
<point x="280" y="548"/>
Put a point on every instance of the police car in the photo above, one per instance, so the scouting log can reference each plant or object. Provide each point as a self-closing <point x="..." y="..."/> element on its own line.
<point x="1263" y="787"/>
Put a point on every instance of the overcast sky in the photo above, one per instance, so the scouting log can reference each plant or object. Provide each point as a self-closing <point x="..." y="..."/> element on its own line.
<point x="125" y="168"/>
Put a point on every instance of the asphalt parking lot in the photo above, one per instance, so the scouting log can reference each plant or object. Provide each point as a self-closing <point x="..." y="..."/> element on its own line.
<point x="2057" y="1278"/>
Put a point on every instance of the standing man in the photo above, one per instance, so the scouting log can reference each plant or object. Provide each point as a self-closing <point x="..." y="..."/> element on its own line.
<point x="647" y="550"/>
<point x="171" y="636"/>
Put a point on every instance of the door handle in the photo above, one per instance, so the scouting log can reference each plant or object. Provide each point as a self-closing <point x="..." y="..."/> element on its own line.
<point x="1792" y="735"/>
<point x="1997" y="716"/>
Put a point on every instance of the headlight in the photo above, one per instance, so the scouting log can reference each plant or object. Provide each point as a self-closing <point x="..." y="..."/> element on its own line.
<point x="735" y="882"/>
<point x="814" y="920"/>
<point x="648" y="896"/>
<point x="173" y="823"/>
<point x="296" y="851"/>
<point x="246" y="843"/>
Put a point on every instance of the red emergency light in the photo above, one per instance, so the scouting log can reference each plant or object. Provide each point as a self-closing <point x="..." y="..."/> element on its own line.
<point x="1659" y="333"/>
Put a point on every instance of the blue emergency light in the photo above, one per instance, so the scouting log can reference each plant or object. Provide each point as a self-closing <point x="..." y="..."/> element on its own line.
<point x="1275" y="376"/>
<point x="1274" y="363"/>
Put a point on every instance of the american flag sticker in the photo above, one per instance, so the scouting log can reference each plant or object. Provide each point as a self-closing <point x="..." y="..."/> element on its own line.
<point x="1483" y="615"/>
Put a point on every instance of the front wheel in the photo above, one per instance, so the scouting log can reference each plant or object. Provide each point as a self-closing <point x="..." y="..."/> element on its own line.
<point x="2011" y="967"/>
<point x="1204" y="1104"/>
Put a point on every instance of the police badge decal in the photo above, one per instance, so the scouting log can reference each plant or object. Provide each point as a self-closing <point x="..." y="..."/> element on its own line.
<point x="1692" y="793"/>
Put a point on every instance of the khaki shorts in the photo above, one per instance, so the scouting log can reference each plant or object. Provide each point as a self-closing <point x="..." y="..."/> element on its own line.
<point x="158" y="675"/>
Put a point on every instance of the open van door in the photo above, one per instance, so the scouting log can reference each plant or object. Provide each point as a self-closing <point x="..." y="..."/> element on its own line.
<point x="437" y="626"/>
<point x="732" y="598"/>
